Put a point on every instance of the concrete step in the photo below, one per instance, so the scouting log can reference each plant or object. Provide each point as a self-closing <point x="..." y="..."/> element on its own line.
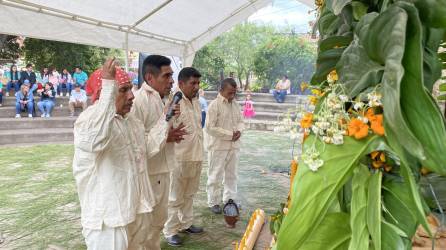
<point x="9" y="112"/>
<point x="36" y="123"/>
<point x="10" y="101"/>
<point x="35" y="135"/>
<point x="261" y="97"/>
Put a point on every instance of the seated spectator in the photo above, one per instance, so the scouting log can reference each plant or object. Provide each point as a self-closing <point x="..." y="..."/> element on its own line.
<point x="54" y="79"/>
<point x="282" y="89"/>
<point x="65" y="83"/>
<point x="29" y="75"/>
<point x="13" y="80"/>
<point x="78" y="99"/>
<point x="24" y="100"/>
<point x="46" y="103"/>
<point x="3" y="81"/>
<point x="80" y="77"/>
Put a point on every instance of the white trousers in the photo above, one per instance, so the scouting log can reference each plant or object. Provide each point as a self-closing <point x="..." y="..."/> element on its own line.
<point x="160" y="185"/>
<point x="132" y="236"/>
<point x="184" y="183"/>
<point x="223" y="166"/>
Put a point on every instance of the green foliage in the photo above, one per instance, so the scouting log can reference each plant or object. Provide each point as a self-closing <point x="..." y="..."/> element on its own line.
<point x="9" y="48"/>
<point x="288" y="55"/>
<point x="393" y="51"/>
<point x="44" y="53"/>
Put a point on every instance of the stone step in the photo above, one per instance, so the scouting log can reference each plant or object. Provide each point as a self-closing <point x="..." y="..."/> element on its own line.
<point x="9" y="112"/>
<point x="10" y="101"/>
<point x="36" y="123"/>
<point x="35" y="135"/>
<point x="261" y="97"/>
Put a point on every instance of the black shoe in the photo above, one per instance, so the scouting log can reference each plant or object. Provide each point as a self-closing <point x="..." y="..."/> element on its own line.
<point x="174" y="240"/>
<point x="193" y="230"/>
<point x="216" y="209"/>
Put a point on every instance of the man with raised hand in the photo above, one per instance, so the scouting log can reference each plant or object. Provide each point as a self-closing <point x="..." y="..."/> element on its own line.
<point x="148" y="107"/>
<point x="224" y="124"/>
<point x="185" y="177"/>
<point x="109" y="165"/>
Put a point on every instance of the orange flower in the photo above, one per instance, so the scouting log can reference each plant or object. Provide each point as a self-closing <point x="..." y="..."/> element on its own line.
<point x="377" y="125"/>
<point x="306" y="120"/>
<point x="370" y="115"/>
<point x="358" y="129"/>
<point x="379" y="160"/>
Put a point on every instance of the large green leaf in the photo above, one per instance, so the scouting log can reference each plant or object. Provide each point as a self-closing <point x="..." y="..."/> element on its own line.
<point x="334" y="42"/>
<point x="314" y="192"/>
<point x="354" y="78"/>
<point x="431" y="62"/>
<point x="384" y="43"/>
<point x="326" y="62"/>
<point x="332" y="234"/>
<point x="423" y="115"/>
<point x="400" y="209"/>
<point x="432" y="12"/>
<point x="358" y="219"/>
<point x="374" y="209"/>
<point x="391" y="240"/>
<point x="337" y="5"/>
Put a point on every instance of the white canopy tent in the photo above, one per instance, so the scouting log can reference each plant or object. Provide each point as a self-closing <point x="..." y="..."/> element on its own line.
<point x="168" y="27"/>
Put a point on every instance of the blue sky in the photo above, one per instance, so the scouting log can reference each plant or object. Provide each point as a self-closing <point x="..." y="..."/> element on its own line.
<point x="285" y="13"/>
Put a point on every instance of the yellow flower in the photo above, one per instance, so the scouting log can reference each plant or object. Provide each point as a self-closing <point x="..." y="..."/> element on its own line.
<point x="332" y="76"/>
<point x="313" y="100"/>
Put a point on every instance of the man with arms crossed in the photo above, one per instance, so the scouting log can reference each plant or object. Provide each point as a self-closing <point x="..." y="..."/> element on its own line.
<point x="148" y="107"/>
<point x="185" y="177"/>
<point x="224" y="124"/>
<point x="109" y="165"/>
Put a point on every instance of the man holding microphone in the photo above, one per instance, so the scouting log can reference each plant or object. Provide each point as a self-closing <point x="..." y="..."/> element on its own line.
<point x="185" y="178"/>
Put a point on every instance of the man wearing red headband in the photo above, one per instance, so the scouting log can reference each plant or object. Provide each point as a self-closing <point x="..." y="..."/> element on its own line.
<point x="110" y="165"/>
<point x="148" y="108"/>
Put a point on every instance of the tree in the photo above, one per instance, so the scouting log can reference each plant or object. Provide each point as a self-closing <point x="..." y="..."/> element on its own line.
<point x="9" y="48"/>
<point x="44" y="53"/>
<point x="290" y="55"/>
<point x="233" y="51"/>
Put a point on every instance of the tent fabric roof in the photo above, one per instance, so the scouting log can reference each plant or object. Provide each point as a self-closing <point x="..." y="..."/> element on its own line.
<point x="170" y="27"/>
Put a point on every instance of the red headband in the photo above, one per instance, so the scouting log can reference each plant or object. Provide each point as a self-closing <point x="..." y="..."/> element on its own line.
<point x="94" y="83"/>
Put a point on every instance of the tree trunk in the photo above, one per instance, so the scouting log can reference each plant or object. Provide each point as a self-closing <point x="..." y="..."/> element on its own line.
<point x="247" y="80"/>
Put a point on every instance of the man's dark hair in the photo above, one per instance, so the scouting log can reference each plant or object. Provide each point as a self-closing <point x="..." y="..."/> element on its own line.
<point x="227" y="82"/>
<point x="187" y="73"/>
<point x="78" y="67"/>
<point x="29" y="65"/>
<point x="153" y="63"/>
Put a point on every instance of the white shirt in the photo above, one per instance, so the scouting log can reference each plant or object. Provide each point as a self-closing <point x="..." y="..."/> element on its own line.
<point x="149" y="108"/>
<point x="109" y="163"/>
<point x="222" y="120"/>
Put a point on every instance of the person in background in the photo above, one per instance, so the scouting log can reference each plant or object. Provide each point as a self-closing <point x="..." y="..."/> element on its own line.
<point x="3" y="82"/>
<point x="224" y="124"/>
<point x="46" y="103"/>
<point x="65" y="83"/>
<point x="45" y="75"/>
<point x="29" y="75"/>
<point x="282" y="88"/>
<point x="204" y="107"/>
<point x="14" y="80"/>
<point x="80" y="77"/>
<point x="24" y="100"/>
<point x="248" y="109"/>
<point x="54" y="79"/>
<point x="78" y="99"/>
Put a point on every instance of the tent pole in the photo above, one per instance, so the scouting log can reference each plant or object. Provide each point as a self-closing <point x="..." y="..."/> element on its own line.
<point x="126" y="48"/>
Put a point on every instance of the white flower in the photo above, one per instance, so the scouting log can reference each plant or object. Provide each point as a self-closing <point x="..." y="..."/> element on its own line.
<point x="338" y="139"/>
<point x="343" y="98"/>
<point x="363" y="119"/>
<point x="358" y="105"/>
<point x="327" y="139"/>
<point x="315" y="129"/>
<point x="337" y="106"/>
<point x="374" y="99"/>
<point x="314" y="165"/>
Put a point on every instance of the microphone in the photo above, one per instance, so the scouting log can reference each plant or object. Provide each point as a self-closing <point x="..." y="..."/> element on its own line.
<point x="176" y="99"/>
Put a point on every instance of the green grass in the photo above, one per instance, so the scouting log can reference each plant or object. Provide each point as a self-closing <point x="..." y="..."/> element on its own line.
<point x="39" y="204"/>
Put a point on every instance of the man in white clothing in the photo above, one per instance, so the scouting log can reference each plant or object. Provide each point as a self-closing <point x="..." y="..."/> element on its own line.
<point x="148" y="107"/>
<point x="224" y="124"/>
<point x="185" y="177"/>
<point x="109" y="165"/>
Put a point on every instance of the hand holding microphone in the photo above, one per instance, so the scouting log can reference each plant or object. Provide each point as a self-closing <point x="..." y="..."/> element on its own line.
<point x="174" y="108"/>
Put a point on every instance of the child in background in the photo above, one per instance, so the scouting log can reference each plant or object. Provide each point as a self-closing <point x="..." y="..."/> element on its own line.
<point x="248" y="109"/>
<point x="3" y="82"/>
